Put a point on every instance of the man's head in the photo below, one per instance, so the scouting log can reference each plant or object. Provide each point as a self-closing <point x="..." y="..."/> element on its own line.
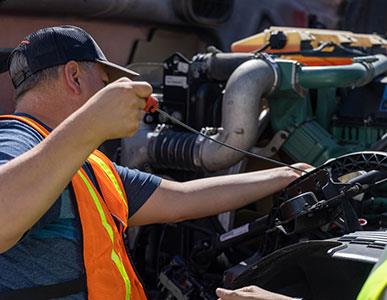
<point x="39" y="58"/>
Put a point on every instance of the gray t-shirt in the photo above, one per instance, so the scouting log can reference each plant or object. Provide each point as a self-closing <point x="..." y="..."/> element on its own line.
<point x="51" y="251"/>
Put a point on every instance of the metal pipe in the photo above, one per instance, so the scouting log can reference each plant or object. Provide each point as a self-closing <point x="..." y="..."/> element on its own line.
<point x="153" y="11"/>
<point x="240" y="110"/>
<point x="172" y="12"/>
<point x="134" y="150"/>
<point x="219" y="66"/>
<point x="361" y="72"/>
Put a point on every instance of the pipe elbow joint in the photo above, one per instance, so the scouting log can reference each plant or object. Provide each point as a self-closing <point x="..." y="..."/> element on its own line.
<point x="251" y="81"/>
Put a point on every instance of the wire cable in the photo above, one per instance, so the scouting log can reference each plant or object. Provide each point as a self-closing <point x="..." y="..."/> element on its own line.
<point x="263" y="48"/>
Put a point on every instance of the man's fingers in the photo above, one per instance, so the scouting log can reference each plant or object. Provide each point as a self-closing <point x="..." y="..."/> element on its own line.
<point x="302" y="166"/>
<point x="123" y="79"/>
<point x="225" y="294"/>
<point x="140" y="103"/>
<point x="246" y="293"/>
<point x="222" y="293"/>
<point x="248" y="289"/>
<point x="142" y="89"/>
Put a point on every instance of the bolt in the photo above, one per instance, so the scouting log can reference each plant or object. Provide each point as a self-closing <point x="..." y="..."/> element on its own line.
<point x="239" y="131"/>
<point x="148" y="118"/>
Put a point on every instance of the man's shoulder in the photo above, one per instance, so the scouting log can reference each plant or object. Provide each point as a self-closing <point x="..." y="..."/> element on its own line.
<point x="11" y="127"/>
<point x="16" y="138"/>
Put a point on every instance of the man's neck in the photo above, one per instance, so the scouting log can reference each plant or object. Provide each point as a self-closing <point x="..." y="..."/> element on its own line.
<point x="40" y="108"/>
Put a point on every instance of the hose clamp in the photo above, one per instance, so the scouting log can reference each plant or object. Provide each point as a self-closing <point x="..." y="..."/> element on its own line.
<point x="370" y="74"/>
<point x="367" y="63"/>
<point x="274" y="66"/>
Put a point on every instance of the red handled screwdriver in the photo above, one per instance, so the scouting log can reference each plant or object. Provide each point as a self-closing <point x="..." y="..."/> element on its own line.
<point x="151" y="104"/>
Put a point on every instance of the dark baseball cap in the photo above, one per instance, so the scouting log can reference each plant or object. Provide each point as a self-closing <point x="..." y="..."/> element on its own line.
<point x="53" y="46"/>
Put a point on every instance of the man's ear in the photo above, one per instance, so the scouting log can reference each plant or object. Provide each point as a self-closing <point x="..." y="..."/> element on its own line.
<point x="72" y="74"/>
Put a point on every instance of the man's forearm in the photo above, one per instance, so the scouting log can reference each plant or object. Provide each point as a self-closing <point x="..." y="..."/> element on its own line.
<point x="211" y="196"/>
<point x="30" y="183"/>
<point x="174" y="201"/>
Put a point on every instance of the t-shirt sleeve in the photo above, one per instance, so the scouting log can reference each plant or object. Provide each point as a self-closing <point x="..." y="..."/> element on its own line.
<point x="139" y="186"/>
<point x="16" y="140"/>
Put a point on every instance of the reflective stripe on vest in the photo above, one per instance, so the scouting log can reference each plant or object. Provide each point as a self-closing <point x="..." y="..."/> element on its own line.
<point x="108" y="171"/>
<point x="109" y="273"/>
<point x="115" y="190"/>
<point x="375" y="284"/>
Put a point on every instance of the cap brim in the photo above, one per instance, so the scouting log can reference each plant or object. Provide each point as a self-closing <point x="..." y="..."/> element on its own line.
<point x="115" y="71"/>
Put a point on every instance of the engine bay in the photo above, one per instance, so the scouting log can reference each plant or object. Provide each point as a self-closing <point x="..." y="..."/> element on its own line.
<point x="297" y="95"/>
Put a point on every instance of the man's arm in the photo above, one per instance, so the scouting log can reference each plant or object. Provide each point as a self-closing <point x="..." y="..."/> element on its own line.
<point x="174" y="201"/>
<point x="30" y="183"/>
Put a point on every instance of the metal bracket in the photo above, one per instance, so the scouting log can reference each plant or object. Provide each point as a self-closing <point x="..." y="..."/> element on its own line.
<point x="274" y="145"/>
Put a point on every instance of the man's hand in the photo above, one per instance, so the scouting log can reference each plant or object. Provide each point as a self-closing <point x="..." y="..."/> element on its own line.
<point x="249" y="293"/>
<point x="117" y="110"/>
<point x="303" y="168"/>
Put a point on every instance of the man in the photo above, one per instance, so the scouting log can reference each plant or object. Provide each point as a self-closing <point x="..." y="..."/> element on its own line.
<point x="64" y="206"/>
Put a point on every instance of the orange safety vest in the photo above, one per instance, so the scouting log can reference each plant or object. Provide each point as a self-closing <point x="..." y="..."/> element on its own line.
<point x="109" y="272"/>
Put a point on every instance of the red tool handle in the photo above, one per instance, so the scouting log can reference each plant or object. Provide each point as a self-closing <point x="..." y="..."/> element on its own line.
<point x="151" y="104"/>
